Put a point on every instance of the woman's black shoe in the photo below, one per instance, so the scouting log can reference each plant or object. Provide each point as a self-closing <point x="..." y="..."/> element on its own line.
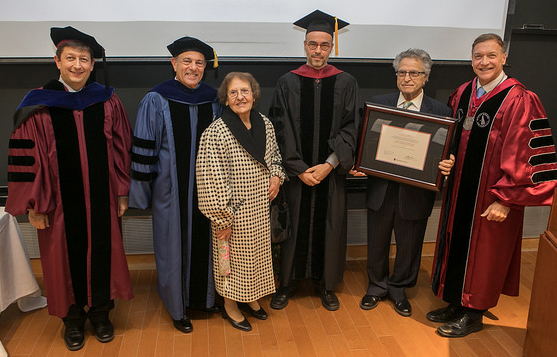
<point x="259" y="314"/>
<point x="242" y="325"/>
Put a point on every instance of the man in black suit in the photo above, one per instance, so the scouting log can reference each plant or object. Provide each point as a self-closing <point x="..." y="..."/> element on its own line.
<point x="397" y="206"/>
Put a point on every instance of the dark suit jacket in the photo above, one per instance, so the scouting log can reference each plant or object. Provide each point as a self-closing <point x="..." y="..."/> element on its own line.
<point x="414" y="203"/>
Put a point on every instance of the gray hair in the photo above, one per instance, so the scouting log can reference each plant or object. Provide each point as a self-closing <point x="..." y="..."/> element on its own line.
<point x="417" y="54"/>
<point x="222" y="92"/>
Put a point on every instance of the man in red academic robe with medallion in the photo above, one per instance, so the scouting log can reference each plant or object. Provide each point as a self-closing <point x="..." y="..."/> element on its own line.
<point x="505" y="160"/>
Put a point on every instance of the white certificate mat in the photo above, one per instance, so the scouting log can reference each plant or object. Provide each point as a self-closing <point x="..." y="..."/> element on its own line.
<point x="403" y="147"/>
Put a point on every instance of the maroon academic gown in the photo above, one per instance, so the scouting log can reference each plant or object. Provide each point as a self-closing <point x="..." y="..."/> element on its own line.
<point x="477" y="260"/>
<point x="82" y="256"/>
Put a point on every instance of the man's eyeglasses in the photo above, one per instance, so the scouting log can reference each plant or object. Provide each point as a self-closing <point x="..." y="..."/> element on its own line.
<point x="313" y="45"/>
<point x="413" y="74"/>
<point x="234" y="93"/>
<point x="198" y="63"/>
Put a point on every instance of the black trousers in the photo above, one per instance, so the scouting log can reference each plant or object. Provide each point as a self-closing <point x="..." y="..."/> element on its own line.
<point x="409" y="237"/>
<point x="77" y="316"/>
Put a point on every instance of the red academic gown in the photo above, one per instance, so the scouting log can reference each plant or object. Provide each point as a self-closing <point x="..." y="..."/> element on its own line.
<point x="518" y="169"/>
<point x="82" y="252"/>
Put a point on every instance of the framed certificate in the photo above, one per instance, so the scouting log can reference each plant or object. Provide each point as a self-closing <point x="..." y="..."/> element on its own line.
<point x="404" y="146"/>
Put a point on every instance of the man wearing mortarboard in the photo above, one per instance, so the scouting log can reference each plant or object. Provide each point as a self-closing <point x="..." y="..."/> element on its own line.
<point x="68" y="170"/>
<point x="170" y="121"/>
<point x="315" y="110"/>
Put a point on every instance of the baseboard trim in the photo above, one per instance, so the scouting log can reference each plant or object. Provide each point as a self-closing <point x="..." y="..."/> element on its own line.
<point x="353" y="252"/>
<point x="359" y="252"/>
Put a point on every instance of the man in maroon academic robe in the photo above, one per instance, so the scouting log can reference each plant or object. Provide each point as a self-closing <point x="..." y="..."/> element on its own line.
<point x="68" y="170"/>
<point x="506" y="160"/>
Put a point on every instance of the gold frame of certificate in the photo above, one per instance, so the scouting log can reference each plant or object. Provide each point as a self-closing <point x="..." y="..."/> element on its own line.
<point x="404" y="146"/>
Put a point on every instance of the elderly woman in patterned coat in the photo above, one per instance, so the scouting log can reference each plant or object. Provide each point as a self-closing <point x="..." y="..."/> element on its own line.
<point x="238" y="173"/>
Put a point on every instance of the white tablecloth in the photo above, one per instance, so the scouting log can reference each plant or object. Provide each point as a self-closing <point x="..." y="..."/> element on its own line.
<point x="17" y="282"/>
<point x="16" y="276"/>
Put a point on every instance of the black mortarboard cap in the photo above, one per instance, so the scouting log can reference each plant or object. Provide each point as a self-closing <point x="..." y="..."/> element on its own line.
<point x="193" y="44"/>
<point x="61" y="34"/>
<point x="320" y="21"/>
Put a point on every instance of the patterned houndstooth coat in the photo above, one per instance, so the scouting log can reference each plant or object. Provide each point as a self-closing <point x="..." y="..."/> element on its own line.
<point x="233" y="168"/>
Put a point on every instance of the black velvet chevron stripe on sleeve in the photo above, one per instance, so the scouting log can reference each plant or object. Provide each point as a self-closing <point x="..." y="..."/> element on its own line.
<point x="543" y="176"/>
<point x="21" y="144"/>
<point x="539" y="124"/>
<point x="542" y="159"/>
<point x="21" y="177"/>
<point x="144" y="159"/>
<point x="21" y="160"/>
<point x="143" y="143"/>
<point x="143" y="176"/>
<point x="541" y="141"/>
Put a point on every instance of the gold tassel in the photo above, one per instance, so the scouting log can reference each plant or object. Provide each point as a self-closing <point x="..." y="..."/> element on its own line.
<point x="216" y="62"/>
<point x="336" y="36"/>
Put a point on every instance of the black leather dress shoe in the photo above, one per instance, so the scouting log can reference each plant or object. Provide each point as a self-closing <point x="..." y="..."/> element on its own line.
<point x="369" y="302"/>
<point x="259" y="314"/>
<point x="74" y="338"/>
<point x="184" y="325"/>
<point x="242" y="325"/>
<point x="328" y="299"/>
<point x="403" y="308"/>
<point x="463" y="326"/>
<point x="104" y="331"/>
<point x="283" y="294"/>
<point x="445" y="314"/>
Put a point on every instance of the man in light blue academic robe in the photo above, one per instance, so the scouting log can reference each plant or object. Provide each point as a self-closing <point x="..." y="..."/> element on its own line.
<point x="170" y="121"/>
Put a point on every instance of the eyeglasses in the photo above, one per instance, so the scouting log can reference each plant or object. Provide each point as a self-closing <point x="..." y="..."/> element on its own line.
<point x="234" y="93"/>
<point x="188" y="61"/>
<point x="413" y="74"/>
<point x="313" y="45"/>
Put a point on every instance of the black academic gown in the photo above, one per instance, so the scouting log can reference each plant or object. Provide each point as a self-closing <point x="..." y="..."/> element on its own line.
<point x="316" y="113"/>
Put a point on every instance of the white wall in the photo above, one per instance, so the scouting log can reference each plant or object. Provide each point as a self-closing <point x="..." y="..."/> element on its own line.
<point x="240" y="28"/>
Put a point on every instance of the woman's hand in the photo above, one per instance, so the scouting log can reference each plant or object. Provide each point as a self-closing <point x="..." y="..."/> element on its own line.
<point x="224" y="234"/>
<point x="274" y="187"/>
